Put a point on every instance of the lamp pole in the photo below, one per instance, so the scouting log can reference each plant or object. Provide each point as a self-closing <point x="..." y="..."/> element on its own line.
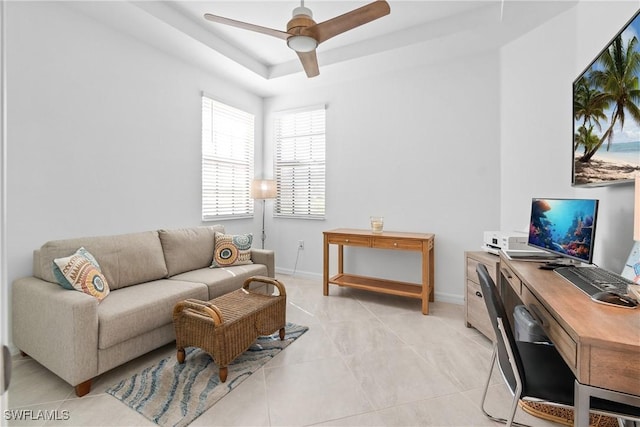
<point x="264" y="235"/>
<point x="263" y="189"/>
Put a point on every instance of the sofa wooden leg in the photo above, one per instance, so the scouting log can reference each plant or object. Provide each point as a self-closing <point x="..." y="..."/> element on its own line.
<point x="23" y="354"/>
<point x="180" y="355"/>
<point x="223" y="373"/>
<point x="83" y="388"/>
<point x="281" y="334"/>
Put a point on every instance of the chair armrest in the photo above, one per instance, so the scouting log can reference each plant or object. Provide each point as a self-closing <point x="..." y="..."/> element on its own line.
<point x="266" y="257"/>
<point x="57" y="327"/>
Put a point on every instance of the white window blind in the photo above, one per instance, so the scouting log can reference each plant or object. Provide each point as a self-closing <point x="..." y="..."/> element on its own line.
<point x="300" y="163"/>
<point x="227" y="161"/>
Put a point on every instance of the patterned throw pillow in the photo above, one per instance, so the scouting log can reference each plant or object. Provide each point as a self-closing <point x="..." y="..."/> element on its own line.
<point x="81" y="272"/>
<point x="62" y="281"/>
<point x="232" y="249"/>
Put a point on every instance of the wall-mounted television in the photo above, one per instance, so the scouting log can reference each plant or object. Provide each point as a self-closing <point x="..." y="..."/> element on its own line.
<point x="606" y="113"/>
<point x="564" y="227"/>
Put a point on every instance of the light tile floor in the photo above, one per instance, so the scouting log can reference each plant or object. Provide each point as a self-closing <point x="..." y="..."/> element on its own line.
<point x="367" y="360"/>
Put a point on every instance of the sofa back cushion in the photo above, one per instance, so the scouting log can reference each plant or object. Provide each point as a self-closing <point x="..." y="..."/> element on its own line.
<point x="125" y="259"/>
<point x="187" y="249"/>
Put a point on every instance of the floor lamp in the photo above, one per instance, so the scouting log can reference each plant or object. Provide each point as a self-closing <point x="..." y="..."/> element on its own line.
<point x="263" y="189"/>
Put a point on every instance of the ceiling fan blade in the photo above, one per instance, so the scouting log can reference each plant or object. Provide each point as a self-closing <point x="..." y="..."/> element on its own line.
<point x="338" y="25"/>
<point x="309" y="63"/>
<point x="245" y="26"/>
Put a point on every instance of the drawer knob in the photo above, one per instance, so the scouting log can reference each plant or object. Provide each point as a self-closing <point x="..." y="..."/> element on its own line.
<point x="478" y="294"/>
<point x="346" y="240"/>
<point x="395" y="244"/>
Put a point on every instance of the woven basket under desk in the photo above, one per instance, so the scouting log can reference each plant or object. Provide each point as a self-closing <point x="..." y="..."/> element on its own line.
<point x="226" y="326"/>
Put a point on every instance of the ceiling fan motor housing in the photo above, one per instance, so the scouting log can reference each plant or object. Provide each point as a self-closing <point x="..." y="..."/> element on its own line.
<point x="302" y="18"/>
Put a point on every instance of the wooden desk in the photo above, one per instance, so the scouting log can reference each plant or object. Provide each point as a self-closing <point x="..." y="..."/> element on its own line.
<point x="386" y="240"/>
<point x="601" y="344"/>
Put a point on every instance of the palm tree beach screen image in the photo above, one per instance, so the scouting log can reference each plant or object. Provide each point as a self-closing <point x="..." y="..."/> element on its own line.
<point x="606" y="113"/>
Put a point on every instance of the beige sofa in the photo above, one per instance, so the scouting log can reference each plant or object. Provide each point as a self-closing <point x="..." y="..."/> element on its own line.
<point x="77" y="337"/>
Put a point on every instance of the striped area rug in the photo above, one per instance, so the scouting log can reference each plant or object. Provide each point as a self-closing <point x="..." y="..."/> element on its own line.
<point x="173" y="394"/>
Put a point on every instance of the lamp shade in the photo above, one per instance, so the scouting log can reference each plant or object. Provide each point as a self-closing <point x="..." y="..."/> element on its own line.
<point x="636" y="211"/>
<point x="263" y="189"/>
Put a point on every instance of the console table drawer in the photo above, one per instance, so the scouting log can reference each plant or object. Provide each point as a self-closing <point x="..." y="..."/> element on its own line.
<point x="349" y="240"/>
<point x="390" y="243"/>
<point x="562" y="340"/>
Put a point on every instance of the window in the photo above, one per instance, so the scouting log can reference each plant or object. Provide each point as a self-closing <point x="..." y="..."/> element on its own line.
<point x="227" y="161"/>
<point x="300" y="163"/>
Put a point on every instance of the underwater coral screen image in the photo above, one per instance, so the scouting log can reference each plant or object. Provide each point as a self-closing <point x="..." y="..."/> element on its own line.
<point x="564" y="226"/>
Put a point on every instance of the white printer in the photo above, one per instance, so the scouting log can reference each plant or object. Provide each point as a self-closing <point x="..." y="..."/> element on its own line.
<point x="494" y="241"/>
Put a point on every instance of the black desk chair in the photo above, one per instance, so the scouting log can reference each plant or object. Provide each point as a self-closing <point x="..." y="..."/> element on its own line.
<point x="533" y="371"/>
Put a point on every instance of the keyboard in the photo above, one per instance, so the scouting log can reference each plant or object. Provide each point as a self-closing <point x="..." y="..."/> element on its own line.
<point x="592" y="280"/>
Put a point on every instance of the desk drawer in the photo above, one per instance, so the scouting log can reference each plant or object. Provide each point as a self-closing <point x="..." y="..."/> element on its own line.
<point x="473" y="275"/>
<point x="349" y="240"/>
<point x="477" y="315"/>
<point x="563" y="342"/>
<point x="391" y="243"/>
<point x="615" y="369"/>
<point x="510" y="276"/>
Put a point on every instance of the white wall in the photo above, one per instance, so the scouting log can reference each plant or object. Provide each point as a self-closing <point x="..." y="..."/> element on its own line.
<point x="103" y="132"/>
<point x="104" y="137"/>
<point x="537" y="72"/>
<point x="420" y="148"/>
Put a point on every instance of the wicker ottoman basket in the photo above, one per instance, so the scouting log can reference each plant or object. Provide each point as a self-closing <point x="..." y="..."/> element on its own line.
<point x="226" y="326"/>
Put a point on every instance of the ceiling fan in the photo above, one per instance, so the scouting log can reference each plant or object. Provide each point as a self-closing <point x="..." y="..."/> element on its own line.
<point x="303" y="35"/>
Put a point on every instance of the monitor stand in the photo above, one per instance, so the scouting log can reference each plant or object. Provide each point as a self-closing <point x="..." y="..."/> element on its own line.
<point x="561" y="262"/>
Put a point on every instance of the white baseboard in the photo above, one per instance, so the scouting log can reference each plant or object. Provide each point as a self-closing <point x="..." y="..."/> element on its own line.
<point x="298" y="273"/>
<point x="450" y="298"/>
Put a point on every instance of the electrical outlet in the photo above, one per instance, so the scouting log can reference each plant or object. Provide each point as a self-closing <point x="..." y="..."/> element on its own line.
<point x="300" y="244"/>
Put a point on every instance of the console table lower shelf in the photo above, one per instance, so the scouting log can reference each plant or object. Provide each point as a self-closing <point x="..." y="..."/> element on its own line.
<point x="391" y="287"/>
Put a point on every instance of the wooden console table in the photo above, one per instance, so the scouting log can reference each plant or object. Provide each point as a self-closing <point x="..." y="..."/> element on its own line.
<point x="419" y="242"/>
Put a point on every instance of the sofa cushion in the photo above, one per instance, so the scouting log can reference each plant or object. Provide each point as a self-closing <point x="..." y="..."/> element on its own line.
<point x="188" y="249"/>
<point x="223" y="280"/>
<point x="136" y="310"/>
<point x="232" y="249"/>
<point x="124" y="259"/>
<point x="82" y="272"/>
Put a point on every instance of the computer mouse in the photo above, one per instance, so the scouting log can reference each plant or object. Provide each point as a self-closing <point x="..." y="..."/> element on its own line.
<point x="617" y="300"/>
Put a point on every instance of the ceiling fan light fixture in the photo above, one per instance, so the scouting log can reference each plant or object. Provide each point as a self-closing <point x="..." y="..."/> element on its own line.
<point x="302" y="43"/>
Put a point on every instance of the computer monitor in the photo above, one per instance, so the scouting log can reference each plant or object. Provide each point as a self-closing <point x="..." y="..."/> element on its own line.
<point x="564" y="227"/>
